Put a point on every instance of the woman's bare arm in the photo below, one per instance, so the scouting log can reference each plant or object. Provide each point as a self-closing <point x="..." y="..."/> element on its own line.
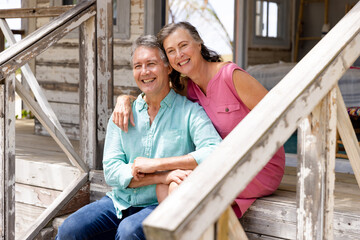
<point x="248" y="88"/>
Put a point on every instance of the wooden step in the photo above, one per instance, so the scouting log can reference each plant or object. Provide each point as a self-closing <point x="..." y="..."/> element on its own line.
<point x="274" y="217"/>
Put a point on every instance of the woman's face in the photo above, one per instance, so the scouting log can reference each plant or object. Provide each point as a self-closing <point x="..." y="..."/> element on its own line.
<point x="183" y="51"/>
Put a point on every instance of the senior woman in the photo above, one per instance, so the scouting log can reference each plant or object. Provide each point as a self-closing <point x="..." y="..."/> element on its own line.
<point x="224" y="90"/>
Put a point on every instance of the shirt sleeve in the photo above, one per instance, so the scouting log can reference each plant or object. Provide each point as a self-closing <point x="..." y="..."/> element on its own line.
<point x="117" y="169"/>
<point x="203" y="134"/>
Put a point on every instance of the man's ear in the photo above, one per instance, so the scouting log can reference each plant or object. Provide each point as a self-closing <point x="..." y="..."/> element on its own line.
<point x="169" y="69"/>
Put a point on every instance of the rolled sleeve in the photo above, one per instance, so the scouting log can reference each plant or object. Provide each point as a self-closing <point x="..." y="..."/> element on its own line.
<point x="117" y="169"/>
<point x="203" y="134"/>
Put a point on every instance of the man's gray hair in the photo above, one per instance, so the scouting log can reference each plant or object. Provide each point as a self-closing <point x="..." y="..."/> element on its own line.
<point x="151" y="42"/>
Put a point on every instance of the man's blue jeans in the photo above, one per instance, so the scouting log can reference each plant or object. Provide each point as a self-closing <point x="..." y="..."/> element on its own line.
<point x="98" y="220"/>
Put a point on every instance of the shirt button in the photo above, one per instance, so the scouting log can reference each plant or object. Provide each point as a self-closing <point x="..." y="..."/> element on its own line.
<point x="226" y="109"/>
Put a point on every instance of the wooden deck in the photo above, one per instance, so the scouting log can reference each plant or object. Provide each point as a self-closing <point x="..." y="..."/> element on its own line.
<point x="43" y="170"/>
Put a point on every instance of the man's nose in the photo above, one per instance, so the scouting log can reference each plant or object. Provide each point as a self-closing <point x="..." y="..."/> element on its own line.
<point x="144" y="70"/>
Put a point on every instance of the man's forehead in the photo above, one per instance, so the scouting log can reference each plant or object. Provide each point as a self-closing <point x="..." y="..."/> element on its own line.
<point x="146" y="54"/>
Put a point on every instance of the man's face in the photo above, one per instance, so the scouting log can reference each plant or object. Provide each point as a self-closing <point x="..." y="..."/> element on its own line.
<point x="150" y="73"/>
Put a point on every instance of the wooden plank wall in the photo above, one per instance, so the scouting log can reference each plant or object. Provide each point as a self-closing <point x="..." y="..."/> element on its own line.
<point x="57" y="71"/>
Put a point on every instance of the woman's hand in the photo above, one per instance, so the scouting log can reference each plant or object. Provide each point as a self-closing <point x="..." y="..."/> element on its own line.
<point x="123" y="112"/>
<point x="177" y="176"/>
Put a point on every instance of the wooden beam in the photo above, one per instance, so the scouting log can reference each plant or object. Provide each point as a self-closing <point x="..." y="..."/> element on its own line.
<point x="7" y="158"/>
<point x="316" y="171"/>
<point x="34" y="12"/>
<point x="37" y="42"/>
<point x="228" y="227"/>
<point x="33" y="83"/>
<point x="51" y="128"/>
<point x="348" y="136"/>
<point x="56" y="206"/>
<point x="104" y="43"/>
<point x="214" y="184"/>
<point x="87" y="84"/>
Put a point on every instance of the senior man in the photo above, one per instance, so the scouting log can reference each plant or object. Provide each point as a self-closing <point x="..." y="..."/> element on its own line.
<point x="171" y="136"/>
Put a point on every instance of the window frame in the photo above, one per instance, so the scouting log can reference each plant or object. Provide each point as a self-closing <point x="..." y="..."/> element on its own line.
<point x="284" y="20"/>
<point x="122" y="28"/>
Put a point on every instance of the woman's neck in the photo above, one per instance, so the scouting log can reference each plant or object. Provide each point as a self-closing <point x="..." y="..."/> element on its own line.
<point x="205" y="72"/>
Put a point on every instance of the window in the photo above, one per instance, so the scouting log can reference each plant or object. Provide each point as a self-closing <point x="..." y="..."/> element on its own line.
<point x="69" y="2"/>
<point x="270" y="25"/>
<point x="121" y="17"/>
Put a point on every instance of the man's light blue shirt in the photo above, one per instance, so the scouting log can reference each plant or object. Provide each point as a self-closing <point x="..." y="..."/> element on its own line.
<point x="180" y="127"/>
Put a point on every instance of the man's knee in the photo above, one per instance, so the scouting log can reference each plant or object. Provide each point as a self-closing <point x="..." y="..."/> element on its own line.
<point x="129" y="230"/>
<point x="68" y="230"/>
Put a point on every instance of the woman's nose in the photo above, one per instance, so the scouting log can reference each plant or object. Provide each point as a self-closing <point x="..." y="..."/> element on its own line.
<point x="179" y="53"/>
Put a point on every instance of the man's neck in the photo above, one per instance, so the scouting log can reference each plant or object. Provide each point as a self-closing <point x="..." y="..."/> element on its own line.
<point x="153" y="103"/>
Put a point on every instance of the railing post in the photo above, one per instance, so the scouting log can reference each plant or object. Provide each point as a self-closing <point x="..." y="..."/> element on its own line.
<point x="104" y="48"/>
<point x="7" y="158"/>
<point x="87" y="64"/>
<point x="316" y="175"/>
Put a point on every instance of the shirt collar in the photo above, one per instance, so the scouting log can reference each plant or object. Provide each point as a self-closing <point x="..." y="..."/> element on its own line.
<point x="167" y="101"/>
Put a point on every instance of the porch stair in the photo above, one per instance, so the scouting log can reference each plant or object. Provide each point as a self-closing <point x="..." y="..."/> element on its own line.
<point x="274" y="217"/>
<point x="42" y="172"/>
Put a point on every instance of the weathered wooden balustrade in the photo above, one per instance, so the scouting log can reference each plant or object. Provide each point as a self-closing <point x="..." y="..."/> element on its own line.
<point x="95" y="37"/>
<point x="306" y="99"/>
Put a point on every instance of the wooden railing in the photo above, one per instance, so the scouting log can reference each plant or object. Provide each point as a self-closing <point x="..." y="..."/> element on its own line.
<point x="306" y="99"/>
<point x="95" y="35"/>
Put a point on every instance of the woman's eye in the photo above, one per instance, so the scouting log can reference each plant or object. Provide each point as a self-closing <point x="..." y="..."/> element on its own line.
<point x="170" y="51"/>
<point x="136" y="66"/>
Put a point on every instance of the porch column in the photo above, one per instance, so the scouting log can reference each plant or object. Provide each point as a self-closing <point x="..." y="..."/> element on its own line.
<point x="7" y="157"/>
<point x="104" y="48"/>
<point x="316" y="171"/>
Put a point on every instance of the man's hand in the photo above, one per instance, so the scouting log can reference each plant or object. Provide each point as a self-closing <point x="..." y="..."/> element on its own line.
<point x="123" y="111"/>
<point x="144" y="165"/>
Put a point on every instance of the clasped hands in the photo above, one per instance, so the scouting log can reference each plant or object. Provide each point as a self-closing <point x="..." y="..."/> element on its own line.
<point x="143" y="166"/>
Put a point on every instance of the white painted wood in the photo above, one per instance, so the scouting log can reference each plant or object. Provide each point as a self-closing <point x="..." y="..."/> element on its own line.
<point x="210" y="188"/>
<point x="36" y="196"/>
<point x="40" y="33"/>
<point x="104" y="46"/>
<point x="329" y="168"/>
<point x="67" y="112"/>
<point x="88" y="148"/>
<point x="32" y="82"/>
<point x="316" y="176"/>
<point x="61" y="96"/>
<point x="2" y="162"/>
<point x="25" y="215"/>
<point x="236" y="231"/>
<point x="348" y="136"/>
<point x="58" y="137"/>
<point x="8" y="157"/>
<point x="42" y="174"/>
<point x="209" y="234"/>
<point x="51" y="211"/>
<point x="37" y="42"/>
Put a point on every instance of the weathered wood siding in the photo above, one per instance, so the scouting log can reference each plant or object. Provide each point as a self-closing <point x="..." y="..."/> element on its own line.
<point x="57" y="71"/>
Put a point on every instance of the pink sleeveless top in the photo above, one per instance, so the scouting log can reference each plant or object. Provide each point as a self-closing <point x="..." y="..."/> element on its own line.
<point x="225" y="109"/>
